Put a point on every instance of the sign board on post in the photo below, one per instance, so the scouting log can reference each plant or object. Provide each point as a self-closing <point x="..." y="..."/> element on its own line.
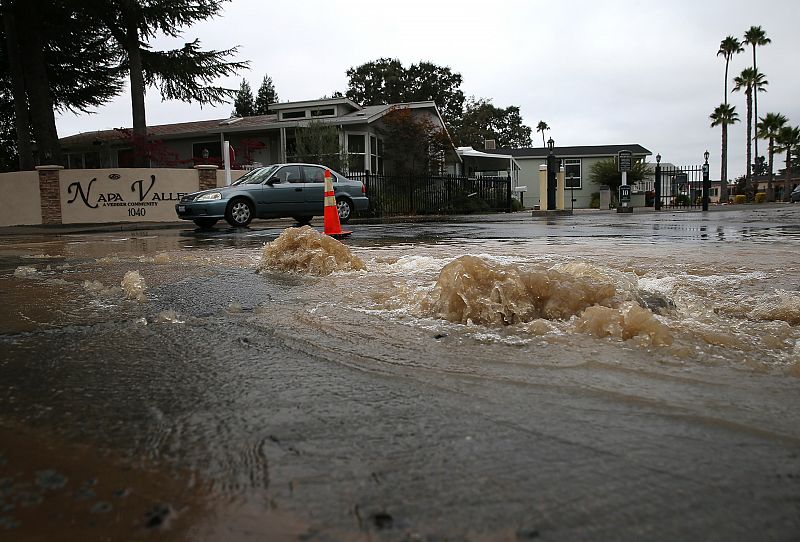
<point x="624" y="161"/>
<point x="624" y="193"/>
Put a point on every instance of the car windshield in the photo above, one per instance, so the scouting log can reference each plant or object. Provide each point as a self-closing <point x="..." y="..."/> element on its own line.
<point x="256" y="176"/>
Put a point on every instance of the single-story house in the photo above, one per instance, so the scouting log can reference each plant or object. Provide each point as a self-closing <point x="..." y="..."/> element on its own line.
<point x="259" y="140"/>
<point x="577" y="162"/>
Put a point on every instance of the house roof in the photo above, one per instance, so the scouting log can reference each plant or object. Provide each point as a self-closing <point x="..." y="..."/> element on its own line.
<point x="207" y="128"/>
<point x="577" y="151"/>
<point x="313" y="103"/>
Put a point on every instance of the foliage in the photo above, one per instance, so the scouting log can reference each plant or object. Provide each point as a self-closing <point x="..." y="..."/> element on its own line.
<point x="605" y="172"/>
<point x="761" y="197"/>
<point x="541" y="127"/>
<point x="727" y="48"/>
<point x="318" y="143"/>
<point x="739" y="199"/>
<point x="9" y="160"/>
<point x="724" y="114"/>
<point x="760" y="167"/>
<point x="482" y="120"/>
<point x="412" y="144"/>
<point x="266" y="95"/>
<point x="243" y="104"/>
<point x="594" y="202"/>
<point x="386" y="81"/>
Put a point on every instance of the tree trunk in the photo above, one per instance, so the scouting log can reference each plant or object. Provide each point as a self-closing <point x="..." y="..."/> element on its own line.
<point x="749" y="185"/>
<point x="723" y="183"/>
<point x="132" y="47"/>
<point x="787" y="182"/>
<point x="771" y="150"/>
<point x="42" y="113"/>
<point x="754" y="93"/>
<point x="21" y="123"/>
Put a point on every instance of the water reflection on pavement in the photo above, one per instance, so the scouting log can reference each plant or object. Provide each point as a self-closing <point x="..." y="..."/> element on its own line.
<point x="489" y="378"/>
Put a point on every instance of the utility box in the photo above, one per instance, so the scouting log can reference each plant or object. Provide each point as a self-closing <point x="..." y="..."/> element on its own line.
<point x="605" y="197"/>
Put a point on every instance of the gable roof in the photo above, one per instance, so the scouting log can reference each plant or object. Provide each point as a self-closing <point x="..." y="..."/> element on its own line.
<point x="584" y="151"/>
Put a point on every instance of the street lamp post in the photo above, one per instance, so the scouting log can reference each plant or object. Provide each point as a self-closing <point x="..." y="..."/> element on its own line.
<point x="706" y="182"/>
<point x="657" y="187"/>
<point x="552" y="169"/>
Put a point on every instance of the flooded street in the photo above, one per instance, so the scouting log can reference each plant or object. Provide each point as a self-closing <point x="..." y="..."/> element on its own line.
<point x="587" y="377"/>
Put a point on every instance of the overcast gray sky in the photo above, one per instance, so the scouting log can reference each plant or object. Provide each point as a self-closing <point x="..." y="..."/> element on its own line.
<point x="598" y="72"/>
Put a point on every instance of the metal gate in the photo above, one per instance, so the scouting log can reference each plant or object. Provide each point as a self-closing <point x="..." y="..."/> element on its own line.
<point x="678" y="187"/>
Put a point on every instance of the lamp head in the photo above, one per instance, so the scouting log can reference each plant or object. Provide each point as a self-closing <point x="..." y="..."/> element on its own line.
<point x="551" y="144"/>
<point x="658" y="158"/>
<point x="705" y="155"/>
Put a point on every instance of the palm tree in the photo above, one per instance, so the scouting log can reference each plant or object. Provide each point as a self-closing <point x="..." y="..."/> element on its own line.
<point x="789" y="141"/>
<point x="755" y="36"/>
<point x="768" y="128"/>
<point x="541" y="127"/>
<point x="748" y="80"/>
<point x="724" y="115"/>
<point x="728" y="47"/>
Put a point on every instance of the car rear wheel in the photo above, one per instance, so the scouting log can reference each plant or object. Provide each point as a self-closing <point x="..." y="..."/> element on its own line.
<point x="303" y="220"/>
<point x="205" y="222"/>
<point x="345" y="209"/>
<point x="239" y="213"/>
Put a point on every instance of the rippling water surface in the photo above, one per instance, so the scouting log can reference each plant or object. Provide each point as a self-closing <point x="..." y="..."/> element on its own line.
<point x="277" y="371"/>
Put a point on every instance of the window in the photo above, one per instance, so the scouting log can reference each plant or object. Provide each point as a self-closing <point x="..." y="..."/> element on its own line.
<point x="293" y="115"/>
<point x="288" y="174"/>
<point x="572" y="173"/>
<point x="214" y="149"/>
<point x="327" y="112"/>
<point x="376" y="155"/>
<point x="314" y="174"/>
<point x="356" y="151"/>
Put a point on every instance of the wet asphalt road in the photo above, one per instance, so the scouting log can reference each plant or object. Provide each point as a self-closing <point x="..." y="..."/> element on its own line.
<point x="409" y="451"/>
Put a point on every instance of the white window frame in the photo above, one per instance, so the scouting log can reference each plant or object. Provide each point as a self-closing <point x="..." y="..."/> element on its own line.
<point x="573" y="162"/>
<point x="365" y="154"/>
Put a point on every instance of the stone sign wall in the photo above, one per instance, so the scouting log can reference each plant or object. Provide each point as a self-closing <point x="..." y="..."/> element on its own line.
<point x="54" y="195"/>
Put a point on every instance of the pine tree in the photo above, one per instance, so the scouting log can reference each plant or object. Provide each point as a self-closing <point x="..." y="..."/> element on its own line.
<point x="266" y="96"/>
<point x="243" y="105"/>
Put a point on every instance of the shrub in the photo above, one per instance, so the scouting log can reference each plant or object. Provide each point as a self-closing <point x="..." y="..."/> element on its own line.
<point x="761" y="197"/>
<point x="594" y="203"/>
<point x="739" y="199"/>
<point x="516" y="205"/>
<point x="682" y="199"/>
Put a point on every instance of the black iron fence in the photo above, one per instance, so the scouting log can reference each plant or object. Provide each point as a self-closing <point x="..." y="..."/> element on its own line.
<point x="434" y="194"/>
<point x="678" y="187"/>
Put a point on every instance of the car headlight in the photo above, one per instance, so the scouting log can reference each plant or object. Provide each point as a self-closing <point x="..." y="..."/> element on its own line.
<point x="211" y="196"/>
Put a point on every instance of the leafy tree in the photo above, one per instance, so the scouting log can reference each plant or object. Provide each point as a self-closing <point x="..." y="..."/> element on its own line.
<point x="58" y="62"/>
<point x="318" y="143"/>
<point x="755" y="36"/>
<point x="727" y="48"/>
<point x="751" y="82"/>
<point x="184" y="74"/>
<point x="243" y="104"/>
<point x="482" y="120"/>
<point x="789" y="141"/>
<point x="412" y="145"/>
<point x="266" y="96"/>
<point x="541" y="127"/>
<point x="768" y="128"/>
<point x="606" y="172"/>
<point x="386" y="81"/>
<point x="723" y="115"/>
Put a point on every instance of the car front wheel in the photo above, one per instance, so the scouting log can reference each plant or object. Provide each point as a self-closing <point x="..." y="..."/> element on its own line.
<point x="239" y="213"/>
<point x="345" y="209"/>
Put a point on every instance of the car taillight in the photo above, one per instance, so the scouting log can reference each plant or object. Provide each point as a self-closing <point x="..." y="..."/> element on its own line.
<point x="363" y="188"/>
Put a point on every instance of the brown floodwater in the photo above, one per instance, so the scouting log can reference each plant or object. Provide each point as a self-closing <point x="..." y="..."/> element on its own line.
<point x="278" y="384"/>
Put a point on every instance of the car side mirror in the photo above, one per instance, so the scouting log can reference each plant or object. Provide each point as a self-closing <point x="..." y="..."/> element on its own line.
<point x="272" y="181"/>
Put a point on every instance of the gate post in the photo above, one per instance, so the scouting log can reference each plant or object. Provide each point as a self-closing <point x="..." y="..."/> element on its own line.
<point x="657" y="202"/>
<point x="508" y="195"/>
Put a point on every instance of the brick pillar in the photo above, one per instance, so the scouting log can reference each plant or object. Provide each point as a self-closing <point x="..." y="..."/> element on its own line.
<point x="207" y="176"/>
<point x="50" y="193"/>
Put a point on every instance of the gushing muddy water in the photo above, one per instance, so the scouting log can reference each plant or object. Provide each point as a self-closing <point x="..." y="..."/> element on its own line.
<point x="483" y="382"/>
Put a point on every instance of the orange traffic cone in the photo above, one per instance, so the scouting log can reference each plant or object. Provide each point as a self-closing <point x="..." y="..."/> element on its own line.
<point x="332" y="225"/>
